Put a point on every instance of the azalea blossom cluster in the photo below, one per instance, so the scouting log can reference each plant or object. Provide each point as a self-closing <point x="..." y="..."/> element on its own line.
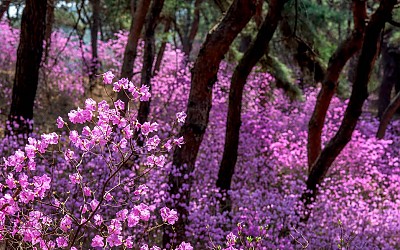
<point x="35" y="212"/>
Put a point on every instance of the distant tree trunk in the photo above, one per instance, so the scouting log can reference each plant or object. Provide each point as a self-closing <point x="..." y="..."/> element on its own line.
<point x="190" y="29"/>
<point x="387" y="116"/>
<point x="204" y="75"/>
<point x="258" y="16"/>
<point x="353" y="111"/>
<point x="252" y="55"/>
<point x="163" y="45"/>
<point x="282" y="79"/>
<point x="138" y="18"/>
<point x="245" y="42"/>
<point x="221" y="4"/>
<point x="352" y="65"/>
<point x="29" y="55"/>
<point x="329" y="85"/>
<point x="49" y="28"/>
<point x="148" y="57"/>
<point x="187" y="42"/>
<point x="94" y="31"/>
<point x="391" y="76"/>
<point x="4" y="7"/>
<point x="307" y="60"/>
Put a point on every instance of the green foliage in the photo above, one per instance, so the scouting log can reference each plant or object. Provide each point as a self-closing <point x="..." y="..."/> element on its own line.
<point x="116" y="16"/>
<point x="322" y="25"/>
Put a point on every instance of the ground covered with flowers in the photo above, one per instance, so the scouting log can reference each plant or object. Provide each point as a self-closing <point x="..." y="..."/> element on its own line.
<point x="87" y="184"/>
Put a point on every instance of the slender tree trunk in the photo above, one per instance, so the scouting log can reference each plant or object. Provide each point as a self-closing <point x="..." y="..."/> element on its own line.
<point x="4" y="7"/>
<point x="352" y="65"/>
<point x="49" y="28"/>
<point x="194" y="27"/>
<point x="204" y="75"/>
<point x="387" y="116"/>
<point x="252" y="55"/>
<point x="311" y="67"/>
<point x="148" y="57"/>
<point x="138" y="19"/>
<point x="329" y="85"/>
<point x="391" y="75"/>
<point x="221" y="4"/>
<point x="94" y="31"/>
<point x="29" y="55"/>
<point x="353" y="111"/>
<point x="163" y="45"/>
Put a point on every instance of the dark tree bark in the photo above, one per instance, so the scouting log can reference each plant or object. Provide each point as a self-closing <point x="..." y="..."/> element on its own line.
<point x="204" y="75"/>
<point x="387" y="116"/>
<point x="160" y="54"/>
<point x="148" y="57"/>
<point x="49" y="28"/>
<point x="391" y="76"/>
<point x="190" y="31"/>
<point x="94" y="31"/>
<point x="250" y="58"/>
<point x="4" y="7"/>
<point x="329" y="85"/>
<point x="309" y="62"/>
<point x="221" y="4"/>
<point x="245" y="42"/>
<point x="138" y="18"/>
<point x="258" y="16"/>
<point x="306" y="58"/>
<point x="29" y="55"/>
<point x="353" y="111"/>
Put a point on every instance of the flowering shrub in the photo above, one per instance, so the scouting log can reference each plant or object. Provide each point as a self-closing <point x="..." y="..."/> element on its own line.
<point x="60" y="191"/>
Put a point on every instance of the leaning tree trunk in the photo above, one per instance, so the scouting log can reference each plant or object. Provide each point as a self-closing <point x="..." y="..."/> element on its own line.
<point x="204" y="75"/>
<point x="49" y="28"/>
<point x="387" y="116"/>
<point x="148" y="57"/>
<point x="252" y="55"/>
<point x="94" y="30"/>
<point x="310" y="65"/>
<point x="330" y="83"/>
<point x="187" y="42"/>
<point x="391" y="76"/>
<point x="161" y="51"/>
<point x="29" y="55"/>
<point x="130" y="53"/>
<point x="353" y="111"/>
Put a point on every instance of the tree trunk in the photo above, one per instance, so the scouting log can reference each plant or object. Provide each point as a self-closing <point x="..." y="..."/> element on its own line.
<point x="4" y="7"/>
<point x="163" y="45"/>
<point x="94" y="31"/>
<point x="148" y="57"/>
<point x="138" y="19"/>
<point x="391" y="76"/>
<point x="329" y="85"/>
<point x="305" y="57"/>
<point x="353" y="111"/>
<point x="189" y="37"/>
<point x="29" y="55"/>
<point x="252" y="55"/>
<point x="387" y="116"/>
<point x="204" y="75"/>
<point x="221" y="4"/>
<point x="49" y="28"/>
